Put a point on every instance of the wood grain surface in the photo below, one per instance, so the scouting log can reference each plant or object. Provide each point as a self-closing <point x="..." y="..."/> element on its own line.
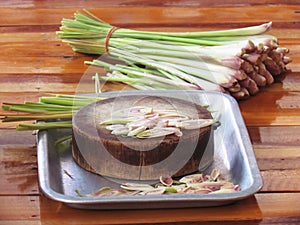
<point x="34" y="62"/>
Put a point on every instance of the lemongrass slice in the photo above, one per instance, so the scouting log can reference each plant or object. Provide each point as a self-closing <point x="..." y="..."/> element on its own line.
<point x="195" y="124"/>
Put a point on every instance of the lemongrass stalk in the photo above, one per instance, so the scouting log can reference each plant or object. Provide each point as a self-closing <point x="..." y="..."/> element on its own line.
<point x="48" y="107"/>
<point x="46" y="125"/>
<point x="11" y="118"/>
<point x="146" y="62"/>
<point x="165" y="82"/>
<point x="157" y="65"/>
<point x="34" y="108"/>
<point x="78" y="97"/>
<point x="134" y="76"/>
<point x="232" y="61"/>
<point x="175" y="70"/>
<point x="159" y="75"/>
<point x="65" y="101"/>
<point x="202" y="65"/>
<point x="92" y="22"/>
<point x="219" y="78"/>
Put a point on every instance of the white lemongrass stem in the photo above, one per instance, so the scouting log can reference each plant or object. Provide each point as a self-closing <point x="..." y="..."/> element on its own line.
<point x="201" y="64"/>
<point x="147" y="62"/>
<point x="140" y="77"/>
<point x="219" y="78"/>
<point x="151" y="47"/>
<point x="148" y="78"/>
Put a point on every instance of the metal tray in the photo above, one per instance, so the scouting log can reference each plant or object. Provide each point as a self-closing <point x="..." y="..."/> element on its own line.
<point x="59" y="175"/>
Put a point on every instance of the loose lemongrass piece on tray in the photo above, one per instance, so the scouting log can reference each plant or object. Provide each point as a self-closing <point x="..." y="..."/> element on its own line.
<point x="197" y="183"/>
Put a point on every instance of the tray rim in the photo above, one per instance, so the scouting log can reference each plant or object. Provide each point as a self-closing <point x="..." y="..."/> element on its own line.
<point x="79" y="202"/>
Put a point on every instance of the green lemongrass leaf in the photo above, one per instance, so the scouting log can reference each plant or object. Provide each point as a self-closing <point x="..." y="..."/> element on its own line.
<point x="50" y="107"/>
<point x="46" y="125"/>
<point x="12" y="118"/>
<point x="66" y="101"/>
<point x="79" y="97"/>
<point x="244" y="31"/>
<point x="36" y="109"/>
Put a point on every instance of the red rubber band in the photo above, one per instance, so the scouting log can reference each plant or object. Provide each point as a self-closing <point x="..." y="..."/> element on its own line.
<point x="108" y="35"/>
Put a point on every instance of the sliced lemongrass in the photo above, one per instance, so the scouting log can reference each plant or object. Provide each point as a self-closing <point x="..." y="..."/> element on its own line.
<point x="223" y="191"/>
<point x="173" y="115"/>
<point x="215" y="174"/>
<point x="167" y="181"/>
<point x="147" y="123"/>
<point x="172" y="122"/>
<point x="115" y="121"/>
<point x="121" y="131"/>
<point x="156" y="191"/>
<point x="159" y="132"/>
<point x="195" y="124"/>
<point x="212" y="185"/>
<point x="193" y="178"/>
<point x="114" y="126"/>
<point x="136" y="187"/>
<point x="136" y="131"/>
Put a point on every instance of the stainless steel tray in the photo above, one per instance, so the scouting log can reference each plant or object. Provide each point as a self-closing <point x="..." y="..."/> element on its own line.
<point x="59" y="175"/>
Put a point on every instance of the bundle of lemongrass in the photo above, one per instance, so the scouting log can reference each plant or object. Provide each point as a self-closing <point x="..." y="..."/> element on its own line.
<point x="235" y="61"/>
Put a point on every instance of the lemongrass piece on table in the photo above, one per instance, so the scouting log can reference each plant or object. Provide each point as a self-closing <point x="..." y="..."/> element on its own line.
<point x="46" y="125"/>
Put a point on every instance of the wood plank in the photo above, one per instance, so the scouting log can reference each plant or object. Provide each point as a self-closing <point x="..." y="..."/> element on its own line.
<point x="18" y="163"/>
<point x="26" y="208"/>
<point x="17" y="138"/>
<point x="142" y="3"/>
<point x="279" y="136"/>
<point x="36" y="49"/>
<point x="157" y="15"/>
<point x="280" y="204"/>
<point x="54" y="212"/>
<point x="43" y="65"/>
<point x="281" y="180"/>
<point x="19" y="222"/>
<point x="271" y="206"/>
<point x="274" y="157"/>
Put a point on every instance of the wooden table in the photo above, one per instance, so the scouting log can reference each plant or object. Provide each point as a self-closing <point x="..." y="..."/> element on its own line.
<point x="33" y="62"/>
